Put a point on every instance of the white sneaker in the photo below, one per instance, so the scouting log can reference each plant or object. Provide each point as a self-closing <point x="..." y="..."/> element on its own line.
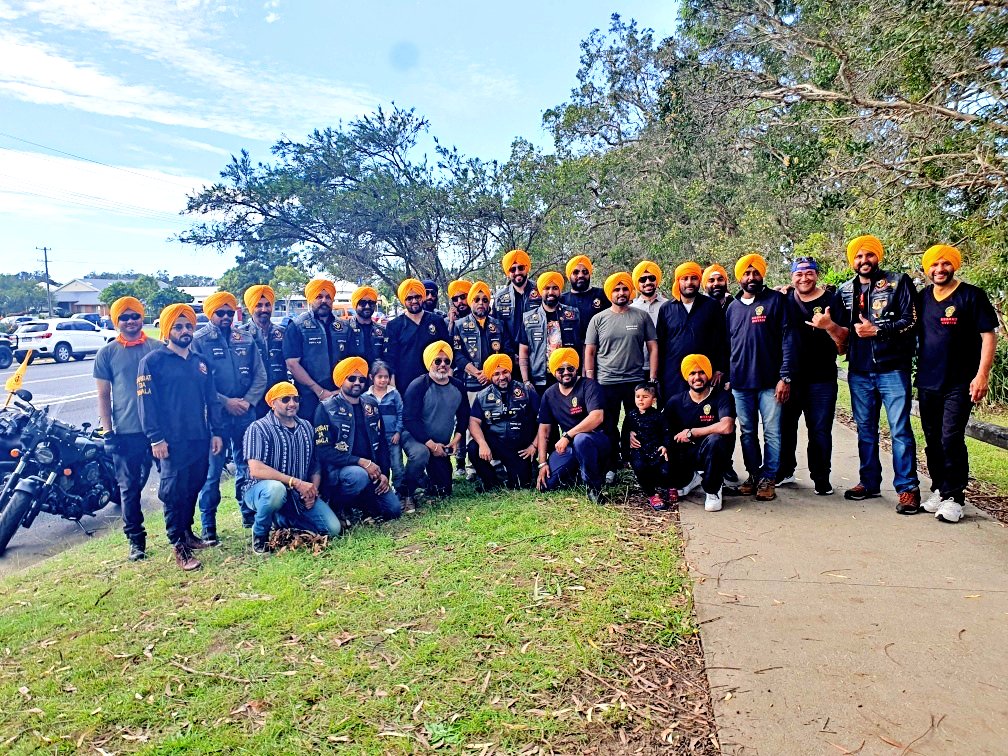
<point x="932" y="502"/>
<point x="790" y="479"/>
<point x="610" y="477"/>
<point x="685" y="490"/>
<point x="713" y="502"/>
<point x="949" y="511"/>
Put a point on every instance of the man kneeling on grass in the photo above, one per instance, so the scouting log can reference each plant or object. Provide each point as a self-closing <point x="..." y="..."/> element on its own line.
<point x="503" y="426"/>
<point x="285" y="472"/>
<point x="575" y="404"/>
<point x="703" y="421"/>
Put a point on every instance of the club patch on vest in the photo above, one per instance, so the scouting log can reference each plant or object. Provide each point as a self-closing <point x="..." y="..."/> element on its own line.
<point x="759" y="316"/>
<point x="432" y="329"/>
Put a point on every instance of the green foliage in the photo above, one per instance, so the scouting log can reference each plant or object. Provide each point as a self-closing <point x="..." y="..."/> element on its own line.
<point x="288" y="281"/>
<point x="20" y="293"/>
<point x="148" y="290"/>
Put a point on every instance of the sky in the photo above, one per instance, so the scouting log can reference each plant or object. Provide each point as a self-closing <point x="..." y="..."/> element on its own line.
<point x="113" y="111"/>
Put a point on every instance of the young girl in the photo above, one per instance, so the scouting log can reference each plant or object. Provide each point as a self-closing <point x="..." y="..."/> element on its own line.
<point x="390" y="405"/>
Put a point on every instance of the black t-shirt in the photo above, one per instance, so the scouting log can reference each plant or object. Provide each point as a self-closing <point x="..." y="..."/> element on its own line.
<point x="361" y="441"/>
<point x="682" y="412"/>
<point x="948" y="353"/>
<point x="568" y="411"/>
<point x="816" y="352"/>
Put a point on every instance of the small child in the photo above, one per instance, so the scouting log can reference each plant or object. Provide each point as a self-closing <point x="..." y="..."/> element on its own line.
<point x="649" y="446"/>
<point x="390" y="404"/>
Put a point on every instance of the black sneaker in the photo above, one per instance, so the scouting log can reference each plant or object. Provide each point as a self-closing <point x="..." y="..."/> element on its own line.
<point x="137" y="551"/>
<point x="260" y="544"/>
<point x="823" y="488"/>
<point x="210" y="538"/>
<point x="860" y="492"/>
<point x="248" y="522"/>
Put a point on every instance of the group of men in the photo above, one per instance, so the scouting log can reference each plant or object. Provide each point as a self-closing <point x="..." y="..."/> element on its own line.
<point x="313" y="445"/>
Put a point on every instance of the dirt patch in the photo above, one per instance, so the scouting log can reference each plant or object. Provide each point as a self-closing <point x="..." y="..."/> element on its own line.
<point x="982" y="495"/>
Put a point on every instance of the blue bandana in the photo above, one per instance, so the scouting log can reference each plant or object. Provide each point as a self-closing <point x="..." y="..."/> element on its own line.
<point x="804" y="263"/>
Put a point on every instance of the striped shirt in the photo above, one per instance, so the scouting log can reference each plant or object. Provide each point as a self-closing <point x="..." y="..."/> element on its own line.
<point x="289" y="451"/>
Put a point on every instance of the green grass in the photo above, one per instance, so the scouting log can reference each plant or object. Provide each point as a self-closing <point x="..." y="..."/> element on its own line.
<point x="987" y="463"/>
<point x="468" y="624"/>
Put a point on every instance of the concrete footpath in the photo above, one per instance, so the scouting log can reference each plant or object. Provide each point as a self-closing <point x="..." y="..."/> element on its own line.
<point x="834" y="627"/>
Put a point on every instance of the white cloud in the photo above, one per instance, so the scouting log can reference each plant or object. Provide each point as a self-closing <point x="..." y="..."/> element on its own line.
<point x="272" y="18"/>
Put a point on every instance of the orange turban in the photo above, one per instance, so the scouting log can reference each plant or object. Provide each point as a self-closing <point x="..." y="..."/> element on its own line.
<point x="461" y="286"/>
<point x="693" y="362"/>
<point x="516" y="256"/>
<point x="279" y="390"/>
<point x="410" y="286"/>
<point x="254" y="293"/>
<point x="550" y="277"/>
<point x="347" y="367"/>
<point x="496" y="361"/>
<point x="479" y="287"/>
<point x="711" y="270"/>
<point x="363" y="292"/>
<point x="575" y="261"/>
<point x="643" y="268"/>
<point x="685" y="269"/>
<point x="316" y="286"/>
<point x="173" y="312"/>
<point x="745" y="261"/>
<point x="219" y="299"/>
<point x="936" y="253"/>
<point x="868" y="242"/>
<point x="125" y="303"/>
<point x="433" y="350"/>
<point x="563" y="356"/>
<point x="621" y="277"/>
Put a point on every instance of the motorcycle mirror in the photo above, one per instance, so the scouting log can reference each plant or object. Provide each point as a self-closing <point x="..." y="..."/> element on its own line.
<point x="23" y="394"/>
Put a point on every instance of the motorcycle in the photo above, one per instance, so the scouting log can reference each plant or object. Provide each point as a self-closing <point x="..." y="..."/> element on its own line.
<point x="49" y="466"/>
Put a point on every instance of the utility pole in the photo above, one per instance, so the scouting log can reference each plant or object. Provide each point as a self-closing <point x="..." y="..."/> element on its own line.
<point x="45" y="256"/>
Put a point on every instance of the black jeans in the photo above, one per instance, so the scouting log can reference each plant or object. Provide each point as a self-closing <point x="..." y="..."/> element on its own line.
<point x="652" y="475"/>
<point x="817" y="401"/>
<point x="131" y="455"/>
<point x="616" y="396"/>
<point x="943" y="416"/>
<point x="183" y="474"/>
<point x="710" y="456"/>
<point x="515" y="472"/>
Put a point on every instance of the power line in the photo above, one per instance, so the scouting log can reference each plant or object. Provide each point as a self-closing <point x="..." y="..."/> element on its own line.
<point x="178" y="182"/>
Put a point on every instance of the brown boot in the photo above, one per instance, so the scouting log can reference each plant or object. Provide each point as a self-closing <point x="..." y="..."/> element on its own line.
<point x="747" y="487"/>
<point x="193" y="541"/>
<point x="909" y="502"/>
<point x="184" y="558"/>
<point x="765" y="490"/>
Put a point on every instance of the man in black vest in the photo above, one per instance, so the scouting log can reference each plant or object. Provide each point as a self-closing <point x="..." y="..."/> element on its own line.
<point x="877" y="310"/>
<point x="410" y="333"/>
<point x="545" y="329"/>
<point x="240" y="379"/>
<point x="351" y="446"/>
<point x="588" y="300"/>
<point x="259" y="300"/>
<point x="313" y="344"/>
<point x="475" y="337"/>
<point x="518" y="296"/>
<point x="365" y="338"/>
<point x="503" y="425"/>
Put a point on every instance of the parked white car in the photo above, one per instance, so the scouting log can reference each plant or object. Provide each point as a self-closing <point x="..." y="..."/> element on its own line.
<point x="61" y="339"/>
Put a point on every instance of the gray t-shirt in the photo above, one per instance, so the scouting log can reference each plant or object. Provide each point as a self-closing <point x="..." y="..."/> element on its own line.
<point x="118" y="365"/>
<point x="439" y="408"/>
<point x="621" y="339"/>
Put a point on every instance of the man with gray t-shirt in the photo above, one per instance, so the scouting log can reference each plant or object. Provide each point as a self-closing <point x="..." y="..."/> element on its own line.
<point x="621" y="350"/>
<point x="435" y="416"/>
<point x="115" y="372"/>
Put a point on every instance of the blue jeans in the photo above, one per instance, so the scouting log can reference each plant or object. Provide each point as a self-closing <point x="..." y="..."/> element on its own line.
<point x="869" y="392"/>
<point x="270" y="502"/>
<point x="210" y="495"/>
<point x="398" y="477"/>
<point x="751" y="405"/>
<point x="351" y="487"/>
<point x="588" y="452"/>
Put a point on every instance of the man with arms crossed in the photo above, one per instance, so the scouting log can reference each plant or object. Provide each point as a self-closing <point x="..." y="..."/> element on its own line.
<point x="313" y="343"/>
<point x="259" y="300"/>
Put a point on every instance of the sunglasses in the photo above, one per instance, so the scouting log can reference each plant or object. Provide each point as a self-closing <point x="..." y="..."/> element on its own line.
<point x="442" y="361"/>
<point x="459" y="297"/>
<point x="566" y="369"/>
<point x="224" y="313"/>
<point x="130" y="316"/>
<point x="366" y="303"/>
<point x="648" y="279"/>
<point x="356" y="378"/>
<point x="580" y="272"/>
<point x="480" y="299"/>
<point x="289" y="399"/>
<point x="413" y="298"/>
<point x="516" y="269"/>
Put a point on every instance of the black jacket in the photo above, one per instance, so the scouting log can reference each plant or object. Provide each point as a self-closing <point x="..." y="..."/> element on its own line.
<point x="335" y="430"/>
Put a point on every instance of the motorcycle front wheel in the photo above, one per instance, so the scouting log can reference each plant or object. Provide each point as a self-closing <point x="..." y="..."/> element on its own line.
<point x="11" y="516"/>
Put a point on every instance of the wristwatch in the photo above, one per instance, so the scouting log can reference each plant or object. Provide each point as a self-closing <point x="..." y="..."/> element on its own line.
<point x="689" y="433"/>
<point x="566" y="435"/>
<point x="786" y="379"/>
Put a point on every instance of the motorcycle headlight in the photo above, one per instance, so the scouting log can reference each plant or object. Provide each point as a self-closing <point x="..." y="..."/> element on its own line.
<point x="44" y="454"/>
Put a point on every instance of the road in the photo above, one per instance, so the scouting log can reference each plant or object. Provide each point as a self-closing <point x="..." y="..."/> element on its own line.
<point x="69" y="390"/>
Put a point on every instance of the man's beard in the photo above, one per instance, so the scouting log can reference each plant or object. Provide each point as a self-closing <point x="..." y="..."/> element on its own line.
<point x="753" y="287"/>
<point x="263" y="318"/>
<point x="182" y="341"/>
<point x="717" y="291"/>
<point x="567" y="379"/>
<point x="550" y="300"/>
<point x="501" y="384"/>
<point x="355" y="390"/>
<point x="430" y="305"/>
<point x="322" y="311"/>
<point x="414" y="307"/>
<point x="519" y="279"/>
<point x="462" y="310"/>
<point x="481" y="312"/>
<point x="688" y="291"/>
<point x="580" y="285"/>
